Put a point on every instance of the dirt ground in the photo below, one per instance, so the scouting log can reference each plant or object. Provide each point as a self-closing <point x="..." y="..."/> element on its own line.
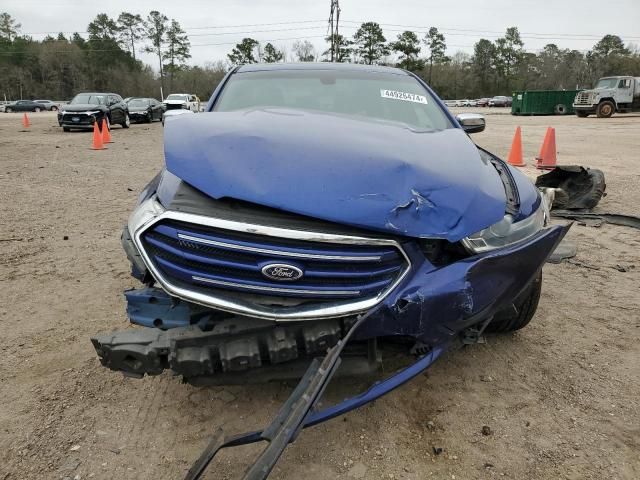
<point x="561" y="398"/>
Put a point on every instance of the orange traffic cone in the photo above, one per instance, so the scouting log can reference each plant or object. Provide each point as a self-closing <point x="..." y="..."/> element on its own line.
<point x="546" y="159"/>
<point x="25" y="121"/>
<point x="515" y="154"/>
<point x="97" y="138"/>
<point x="106" y="135"/>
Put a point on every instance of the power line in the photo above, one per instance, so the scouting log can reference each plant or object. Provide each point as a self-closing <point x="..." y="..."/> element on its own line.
<point x="447" y="30"/>
<point x="454" y="29"/>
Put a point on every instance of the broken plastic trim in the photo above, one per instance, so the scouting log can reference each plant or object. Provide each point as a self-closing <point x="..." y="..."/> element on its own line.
<point x="296" y="413"/>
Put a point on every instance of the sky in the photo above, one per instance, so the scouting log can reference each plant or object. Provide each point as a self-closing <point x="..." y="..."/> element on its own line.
<point x="215" y="26"/>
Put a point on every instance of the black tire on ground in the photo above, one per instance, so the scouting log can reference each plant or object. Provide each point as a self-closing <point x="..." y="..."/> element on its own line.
<point x="582" y="114"/>
<point x="37" y="109"/>
<point x="66" y="129"/>
<point x="54" y="108"/>
<point x="560" y="109"/>
<point x="149" y="118"/>
<point x="8" y="110"/>
<point x="126" y="122"/>
<point x="521" y="312"/>
<point x="605" y="109"/>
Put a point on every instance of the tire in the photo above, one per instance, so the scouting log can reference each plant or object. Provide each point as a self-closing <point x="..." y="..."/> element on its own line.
<point x="106" y="118"/>
<point x="149" y="118"/>
<point x="560" y="109"/>
<point x="582" y="114"/>
<point x="522" y="311"/>
<point x="8" y="110"/>
<point x="66" y="129"/>
<point x="54" y="109"/>
<point x="37" y="109"/>
<point x="605" y="109"/>
<point x="127" y="121"/>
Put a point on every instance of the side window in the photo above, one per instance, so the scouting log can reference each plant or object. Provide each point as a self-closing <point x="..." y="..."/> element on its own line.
<point x="625" y="83"/>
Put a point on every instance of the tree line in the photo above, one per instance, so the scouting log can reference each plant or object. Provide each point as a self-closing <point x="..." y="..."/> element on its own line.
<point x="107" y="59"/>
<point x="497" y="67"/>
<point x="58" y="67"/>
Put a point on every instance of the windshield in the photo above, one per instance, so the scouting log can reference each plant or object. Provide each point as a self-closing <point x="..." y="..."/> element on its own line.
<point x="184" y="98"/>
<point x="385" y="96"/>
<point x="88" y="98"/>
<point x="607" y="83"/>
<point x="138" y="102"/>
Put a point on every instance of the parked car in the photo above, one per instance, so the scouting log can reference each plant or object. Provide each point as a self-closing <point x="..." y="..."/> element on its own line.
<point x="177" y="101"/>
<point x="24" y="106"/>
<point x="145" y="109"/>
<point x="87" y="108"/>
<point x="482" y="102"/>
<point x="312" y="198"/>
<point x="500" y="101"/>
<point x="48" y="105"/>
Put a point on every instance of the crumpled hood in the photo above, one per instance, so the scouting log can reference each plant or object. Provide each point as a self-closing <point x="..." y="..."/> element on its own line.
<point x="372" y="174"/>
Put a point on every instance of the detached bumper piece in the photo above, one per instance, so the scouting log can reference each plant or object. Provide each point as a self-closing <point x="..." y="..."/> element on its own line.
<point x="237" y="350"/>
<point x="298" y="411"/>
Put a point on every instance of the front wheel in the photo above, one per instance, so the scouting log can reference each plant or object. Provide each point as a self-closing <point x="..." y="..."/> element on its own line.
<point x="37" y="109"/>
<point x="520" y="313"/>
<point x="126" y="122"/>
<point x="54" y="109"/>
<point x="8" y="110"/>
<point x="605" y="109"/>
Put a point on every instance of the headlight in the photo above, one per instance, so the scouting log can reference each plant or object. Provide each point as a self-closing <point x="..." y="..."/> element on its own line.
<point x="144" y="213"/>
<point x="507" y="232"/>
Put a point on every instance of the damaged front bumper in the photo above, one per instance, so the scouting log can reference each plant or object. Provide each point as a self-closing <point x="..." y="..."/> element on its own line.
<point x="431" y="306"/>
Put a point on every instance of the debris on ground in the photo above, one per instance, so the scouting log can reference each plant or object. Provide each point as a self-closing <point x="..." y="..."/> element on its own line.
<point x="563" y="251"/>
<point x="574" y="186"/>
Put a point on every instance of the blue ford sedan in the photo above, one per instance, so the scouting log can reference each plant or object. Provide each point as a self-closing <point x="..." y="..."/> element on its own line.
<point x="317" y="206"/>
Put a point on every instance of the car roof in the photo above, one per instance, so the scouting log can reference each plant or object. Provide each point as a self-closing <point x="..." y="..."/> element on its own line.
<point x="261" y="67"/>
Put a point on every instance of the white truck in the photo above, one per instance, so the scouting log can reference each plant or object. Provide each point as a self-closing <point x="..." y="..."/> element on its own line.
<point x="186" y="101"/>
<point x="610" y="95"/>
<point x="180" y="103"/>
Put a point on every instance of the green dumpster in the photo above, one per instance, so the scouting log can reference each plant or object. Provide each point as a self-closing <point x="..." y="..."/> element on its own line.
<point x="543" y="102"/>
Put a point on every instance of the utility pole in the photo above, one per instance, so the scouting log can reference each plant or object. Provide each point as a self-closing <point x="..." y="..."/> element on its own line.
<point x="334" y="20"/>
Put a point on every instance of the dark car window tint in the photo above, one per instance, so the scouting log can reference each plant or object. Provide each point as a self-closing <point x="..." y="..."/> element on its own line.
<point x="386" y="96"/>
<point x="139" y="102"/>
<point x="89" y="99"/>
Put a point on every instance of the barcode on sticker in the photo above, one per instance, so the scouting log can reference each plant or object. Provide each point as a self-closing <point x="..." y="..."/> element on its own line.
<point x="404" y="96"/>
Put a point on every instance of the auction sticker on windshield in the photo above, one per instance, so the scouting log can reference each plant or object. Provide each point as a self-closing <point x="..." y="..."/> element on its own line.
<point x="404" y="96"/>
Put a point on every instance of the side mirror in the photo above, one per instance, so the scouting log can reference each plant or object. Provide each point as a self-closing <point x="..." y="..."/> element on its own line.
<point x="471" y="122"/>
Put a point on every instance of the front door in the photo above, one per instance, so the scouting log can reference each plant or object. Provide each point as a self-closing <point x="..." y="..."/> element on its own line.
<point x="625" y="90"/>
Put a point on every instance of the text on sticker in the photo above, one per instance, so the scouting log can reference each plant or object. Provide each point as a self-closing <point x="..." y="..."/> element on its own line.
<point x="404" y="96"/>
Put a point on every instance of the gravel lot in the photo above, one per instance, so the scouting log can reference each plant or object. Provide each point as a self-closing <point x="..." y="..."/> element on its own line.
<point x="561" y="398"/>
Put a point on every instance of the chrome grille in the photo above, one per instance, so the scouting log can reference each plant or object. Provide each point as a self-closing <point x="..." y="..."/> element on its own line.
<point x="216" y="259"/>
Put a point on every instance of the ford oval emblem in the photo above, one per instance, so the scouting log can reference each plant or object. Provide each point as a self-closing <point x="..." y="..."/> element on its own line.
<point x="282" y="272"/>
